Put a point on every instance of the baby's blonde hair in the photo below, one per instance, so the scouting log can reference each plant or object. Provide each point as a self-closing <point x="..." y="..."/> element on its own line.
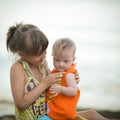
<point x="63" y="43"/>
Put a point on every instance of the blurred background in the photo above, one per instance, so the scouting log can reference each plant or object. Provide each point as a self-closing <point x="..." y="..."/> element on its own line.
<point x="94" y="25"/>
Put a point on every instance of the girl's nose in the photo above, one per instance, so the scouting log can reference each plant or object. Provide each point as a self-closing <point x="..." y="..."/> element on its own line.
<point x="44" y="54"/>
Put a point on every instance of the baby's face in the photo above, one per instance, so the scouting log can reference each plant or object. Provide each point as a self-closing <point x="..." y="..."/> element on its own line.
<point x="62" y="61"/>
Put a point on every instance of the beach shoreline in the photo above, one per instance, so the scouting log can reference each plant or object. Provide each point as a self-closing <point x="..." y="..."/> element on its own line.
<point x="7" y="111"/>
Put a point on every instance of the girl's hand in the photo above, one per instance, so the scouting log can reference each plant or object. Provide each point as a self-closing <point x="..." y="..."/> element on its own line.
<point x="77" y="78"/>
<point x="54" y="78"/>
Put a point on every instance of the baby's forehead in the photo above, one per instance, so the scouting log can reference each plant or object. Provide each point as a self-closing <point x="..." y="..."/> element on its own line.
<point x="64" y="53"/>
<point x="63" y="49"/>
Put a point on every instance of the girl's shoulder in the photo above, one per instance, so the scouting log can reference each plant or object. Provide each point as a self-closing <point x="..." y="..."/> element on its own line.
<point x="16" y="66"/>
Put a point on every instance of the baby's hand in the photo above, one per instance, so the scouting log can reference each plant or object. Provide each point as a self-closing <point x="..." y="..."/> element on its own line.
<point x="55" y="89"/>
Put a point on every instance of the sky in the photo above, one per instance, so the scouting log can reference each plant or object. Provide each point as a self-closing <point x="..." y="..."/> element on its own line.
<point x="93" y="20"/>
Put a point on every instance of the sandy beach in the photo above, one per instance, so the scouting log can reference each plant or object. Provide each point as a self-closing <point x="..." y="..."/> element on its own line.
<point x="7" y="112"/>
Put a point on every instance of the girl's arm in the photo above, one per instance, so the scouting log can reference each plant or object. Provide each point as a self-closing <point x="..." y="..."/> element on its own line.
<point x="18" y="81"/>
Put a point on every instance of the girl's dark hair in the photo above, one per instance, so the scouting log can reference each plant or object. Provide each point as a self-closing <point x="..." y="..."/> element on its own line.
<point x="27" y="39"/>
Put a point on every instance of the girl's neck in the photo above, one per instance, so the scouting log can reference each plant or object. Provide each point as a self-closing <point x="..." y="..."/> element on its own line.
<point x="30" y="65"/>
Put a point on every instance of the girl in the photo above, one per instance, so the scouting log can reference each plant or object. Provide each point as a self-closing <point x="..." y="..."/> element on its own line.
<point x="28" y="75"/>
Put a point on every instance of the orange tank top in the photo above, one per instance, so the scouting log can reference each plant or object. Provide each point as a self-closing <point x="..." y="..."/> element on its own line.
<point x="63" y="107"/>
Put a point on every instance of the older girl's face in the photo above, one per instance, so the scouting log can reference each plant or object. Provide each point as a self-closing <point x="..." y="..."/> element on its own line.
<point x="64" y="60"/>
<point x="35" y="60"/>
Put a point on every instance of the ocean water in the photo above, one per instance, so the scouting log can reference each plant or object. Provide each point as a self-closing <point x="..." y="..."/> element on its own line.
<point x="95" y="28"/>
